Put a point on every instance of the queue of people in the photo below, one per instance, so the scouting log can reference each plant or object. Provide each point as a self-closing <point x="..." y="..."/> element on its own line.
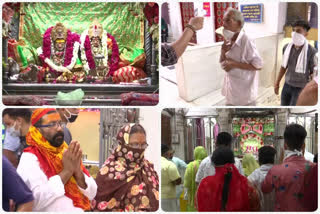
<point x="221" y="182"/>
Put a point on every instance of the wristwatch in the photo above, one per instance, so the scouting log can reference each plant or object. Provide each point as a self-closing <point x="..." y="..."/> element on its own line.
<point x="191" y="27"/>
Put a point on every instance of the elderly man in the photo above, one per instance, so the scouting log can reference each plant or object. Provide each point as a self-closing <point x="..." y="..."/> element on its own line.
<point x="241" y="60"/>
<point x="53" y="170"/>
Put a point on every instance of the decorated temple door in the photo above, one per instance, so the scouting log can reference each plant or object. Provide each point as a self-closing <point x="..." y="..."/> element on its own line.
<point x="187" y="12"/>
<point x="111" y="120"/>
<point x="219" y="10"/>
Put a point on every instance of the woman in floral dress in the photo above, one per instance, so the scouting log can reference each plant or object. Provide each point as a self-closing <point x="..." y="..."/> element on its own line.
<point x="127" y="181"/>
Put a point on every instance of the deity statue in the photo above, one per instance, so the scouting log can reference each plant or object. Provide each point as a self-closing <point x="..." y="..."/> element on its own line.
<point x="60" y="49"/>
<point x="94" y="50"/>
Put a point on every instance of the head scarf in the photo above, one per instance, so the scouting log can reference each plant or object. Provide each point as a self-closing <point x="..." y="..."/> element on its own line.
<point x="209" y="194"/>
<point x="127" y="181"/>
<point x="190" y="175"/>
<point x="38" y="113"/>
<point x="50" y="160"/>
<point x="249" y="164"/>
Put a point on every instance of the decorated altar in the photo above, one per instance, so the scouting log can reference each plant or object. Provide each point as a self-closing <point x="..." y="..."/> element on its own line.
<point x="251" y="133"/>
<point x="79" y="45"/>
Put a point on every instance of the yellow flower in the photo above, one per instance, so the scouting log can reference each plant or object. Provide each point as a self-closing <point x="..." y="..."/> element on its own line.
<point x="112" y="203"/>
<point x="119" y="167"/>
<point x="118" y="148"/>
<point x="135" y="190"/>
<point x="156" y="194"/>
<point x="126" y="138"/>
<point x="130" y="178"/>
<point x="145" y="201"/>
<point x="104" y="170"/>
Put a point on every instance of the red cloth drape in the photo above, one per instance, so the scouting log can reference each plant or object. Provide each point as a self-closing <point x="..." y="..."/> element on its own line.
<point x="187" y="12"/>
<point x="210" y="191"/>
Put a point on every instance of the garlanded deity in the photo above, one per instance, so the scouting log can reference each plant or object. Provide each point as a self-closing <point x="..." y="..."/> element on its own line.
<point x="60" y="48"/>
<point x="94" y="50"/>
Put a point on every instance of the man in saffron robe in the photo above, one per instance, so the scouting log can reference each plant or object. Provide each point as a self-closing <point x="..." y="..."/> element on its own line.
<point x="53" y="170"/>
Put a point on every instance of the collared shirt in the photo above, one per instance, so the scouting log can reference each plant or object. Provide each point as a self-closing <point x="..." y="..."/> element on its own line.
<point x="289" y="180"/>
<point x="293" y="78"/>
<point x="49" y="194"/>
<point x="11" y="143"/>
<point x="240" y="87"/>
<point x="256" y="178"/>
<point x="181" y="165"/>
<point x="169" y="174"/>
<point x="206" y="168"/>
<point x="168" y="55"/>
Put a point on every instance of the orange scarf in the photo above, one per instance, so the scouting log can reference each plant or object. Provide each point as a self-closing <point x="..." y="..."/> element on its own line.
<point x="50" y="159"/>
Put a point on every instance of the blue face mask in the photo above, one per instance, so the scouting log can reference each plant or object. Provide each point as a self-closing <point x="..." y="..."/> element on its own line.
<point x="12" y="131"/>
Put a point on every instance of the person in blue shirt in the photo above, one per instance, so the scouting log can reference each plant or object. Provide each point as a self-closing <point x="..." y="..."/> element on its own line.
<point x="13" y="188"/>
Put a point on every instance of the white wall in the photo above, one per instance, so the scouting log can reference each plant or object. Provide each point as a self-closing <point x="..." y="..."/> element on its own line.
<point x="206" y="34"/>
<point x="150" y="119"/>
<point x="273" y="22"/>
<point x="175" y="21"/>
<point x="274" y="15"/>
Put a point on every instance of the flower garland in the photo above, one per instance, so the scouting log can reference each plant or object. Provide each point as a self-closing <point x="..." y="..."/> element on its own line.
<point x="87" y="57"/>
<point x="114" y="61"/>
<point x="71" y="50"/>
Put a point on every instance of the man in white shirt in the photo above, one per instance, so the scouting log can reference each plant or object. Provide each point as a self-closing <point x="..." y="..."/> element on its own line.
<point x="266" y="161"/>
<point x="206" y="167"/>
<point x="53" y="170"/>
<point x="241" y="61"/>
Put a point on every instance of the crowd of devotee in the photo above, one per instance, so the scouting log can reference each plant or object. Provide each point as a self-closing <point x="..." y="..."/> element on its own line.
<point x="43" y="168"/>
<point x="222" y="182"/>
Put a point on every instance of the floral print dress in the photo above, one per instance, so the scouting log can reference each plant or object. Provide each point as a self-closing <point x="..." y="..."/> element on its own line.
<point x="127" y="181"/>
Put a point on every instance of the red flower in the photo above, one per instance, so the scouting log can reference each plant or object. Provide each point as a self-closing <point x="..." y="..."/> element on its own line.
<point x="87" y="46"/>
<point x="102" y="205"/>
<point x="151" y="11"/>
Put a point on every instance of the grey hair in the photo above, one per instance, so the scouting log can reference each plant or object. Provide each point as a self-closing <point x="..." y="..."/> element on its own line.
<point x="237" y="15"/>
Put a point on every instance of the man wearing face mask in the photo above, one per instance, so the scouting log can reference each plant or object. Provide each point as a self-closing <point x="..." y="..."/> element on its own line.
<point x="241" y="61"/>
<point x="17" y="123"/>
<point x="68" y="115"/>
<point x="53" y="170"/>
<point x="297" y="64"/>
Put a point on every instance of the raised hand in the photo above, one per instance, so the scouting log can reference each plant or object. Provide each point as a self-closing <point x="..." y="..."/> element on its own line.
<point x="196" y="22"/>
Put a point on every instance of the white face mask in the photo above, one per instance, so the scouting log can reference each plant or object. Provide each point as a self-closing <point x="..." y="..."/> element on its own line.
<point x="13" y="132"/>
<point x="228" y="34"/>
<point x="72" y="116"/>
<point x="298" y="39"/>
